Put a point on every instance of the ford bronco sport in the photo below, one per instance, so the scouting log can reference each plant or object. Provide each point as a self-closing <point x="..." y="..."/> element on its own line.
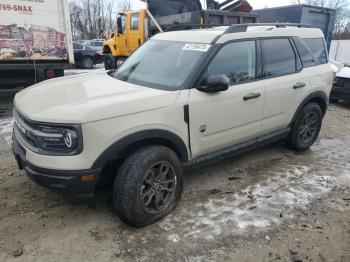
<point x="182" y="99"/>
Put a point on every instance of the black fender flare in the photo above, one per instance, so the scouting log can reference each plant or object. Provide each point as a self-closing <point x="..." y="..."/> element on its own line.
<point x="121" y="147"/>
<point x="320" y="97"/>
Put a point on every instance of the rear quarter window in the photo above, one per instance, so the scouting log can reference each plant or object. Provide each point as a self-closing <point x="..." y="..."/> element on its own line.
<point x="305" y="53"/>
<point x="318" y="49"/>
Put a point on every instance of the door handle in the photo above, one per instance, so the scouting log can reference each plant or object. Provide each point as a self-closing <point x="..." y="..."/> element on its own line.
<point x="251" y="96"/>
<point x="299" y="85"/>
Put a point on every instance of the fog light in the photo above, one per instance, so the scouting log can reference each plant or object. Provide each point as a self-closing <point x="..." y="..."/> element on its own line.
<point x="89" y="177"/>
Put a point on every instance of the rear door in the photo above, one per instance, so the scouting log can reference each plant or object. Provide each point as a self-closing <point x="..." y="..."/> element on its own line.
<point x="286" y="83"/>
<point x="219" y="120"/>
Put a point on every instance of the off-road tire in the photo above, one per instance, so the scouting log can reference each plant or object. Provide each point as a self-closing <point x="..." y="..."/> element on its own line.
<point x="110" y="61"/>
<point x="87" y="62"/>
<point x="128" y="185"/>
<point x="295" y="140"/>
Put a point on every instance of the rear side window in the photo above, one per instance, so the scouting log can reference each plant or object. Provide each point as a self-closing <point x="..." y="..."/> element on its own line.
<point x="237" y="61"/>
<point x="278" y="57"/>
<point x="318" y="49"/>
<point x="134" y="21"/>
<point x="77" y="46"/>
<point x="305" y="54"/>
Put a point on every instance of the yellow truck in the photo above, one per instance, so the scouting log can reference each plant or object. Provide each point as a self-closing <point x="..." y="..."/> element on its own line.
<point x="135" y="27"/>
<point x="132" y="32"/>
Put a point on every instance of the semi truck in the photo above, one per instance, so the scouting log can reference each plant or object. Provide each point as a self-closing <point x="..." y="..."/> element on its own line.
<point x="35" y="42"/>
<point x="136" y="26"/>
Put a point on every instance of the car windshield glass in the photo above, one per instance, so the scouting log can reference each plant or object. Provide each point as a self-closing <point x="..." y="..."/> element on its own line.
<point x="162" y="64"/>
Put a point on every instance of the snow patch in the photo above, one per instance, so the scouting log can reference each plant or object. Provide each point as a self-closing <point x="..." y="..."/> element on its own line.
<point x="6" y="125"/>
<point x="263" y="206"/>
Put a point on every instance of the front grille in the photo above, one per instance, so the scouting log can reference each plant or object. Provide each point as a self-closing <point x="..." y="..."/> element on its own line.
<point x="23" y="130"/>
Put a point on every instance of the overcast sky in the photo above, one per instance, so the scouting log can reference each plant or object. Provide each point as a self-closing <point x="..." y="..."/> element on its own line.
<point x="255" y="3"/>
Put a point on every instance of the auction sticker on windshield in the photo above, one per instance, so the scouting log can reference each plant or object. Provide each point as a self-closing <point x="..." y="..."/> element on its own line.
<point x="196" y="47"/>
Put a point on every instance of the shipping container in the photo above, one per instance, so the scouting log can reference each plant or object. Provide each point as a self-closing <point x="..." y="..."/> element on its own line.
<point x="323" y="18"/>
<point x="35" y="41"/>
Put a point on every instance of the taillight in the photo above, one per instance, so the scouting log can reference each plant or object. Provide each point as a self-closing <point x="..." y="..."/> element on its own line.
<point x="50" y="73"/>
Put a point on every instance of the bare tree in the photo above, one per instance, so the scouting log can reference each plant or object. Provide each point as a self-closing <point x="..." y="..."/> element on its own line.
<point x="92" y="18"/>
<point x="95" y="18"/>
<point x="125" y="5"/>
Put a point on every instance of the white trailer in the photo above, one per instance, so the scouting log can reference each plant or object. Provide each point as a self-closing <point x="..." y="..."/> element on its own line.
<point x="35" y="41"/>
<point x="340" y="51"/>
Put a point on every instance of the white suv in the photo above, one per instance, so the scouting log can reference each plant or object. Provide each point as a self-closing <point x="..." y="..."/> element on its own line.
<point x="182" y="99"/>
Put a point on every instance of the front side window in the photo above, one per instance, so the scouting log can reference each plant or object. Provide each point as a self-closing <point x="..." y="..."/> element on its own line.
<point x="278" y="57"/>
<point x="318" y="49"/>
<point x="165" y="65"/>
<point x="237" y="61"/>
<point x="134" y="25"/>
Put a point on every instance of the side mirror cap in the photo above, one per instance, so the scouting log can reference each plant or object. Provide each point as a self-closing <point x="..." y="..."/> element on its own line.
<point x="215" y="83"/>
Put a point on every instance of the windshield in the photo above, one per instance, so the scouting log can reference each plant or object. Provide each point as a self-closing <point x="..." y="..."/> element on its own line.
<point x="162" y="64"/>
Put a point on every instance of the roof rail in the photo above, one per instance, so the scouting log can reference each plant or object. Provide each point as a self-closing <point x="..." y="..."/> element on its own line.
<point x="177" y="27"/>
<point x="239" y="28"/>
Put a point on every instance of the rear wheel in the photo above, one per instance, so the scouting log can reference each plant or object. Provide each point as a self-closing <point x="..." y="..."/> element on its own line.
<point x="148" y="186"/>
<point x="110" y="61"/>
<point x="306" y="127"/>
<point x="88" y="62"/>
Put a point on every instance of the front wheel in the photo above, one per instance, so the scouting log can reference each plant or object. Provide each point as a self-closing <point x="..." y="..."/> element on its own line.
<point x="88" y="62"/>
<point x="306" y="127"/>
<point x="148" y="186"/>
<point x="110" y="61"/>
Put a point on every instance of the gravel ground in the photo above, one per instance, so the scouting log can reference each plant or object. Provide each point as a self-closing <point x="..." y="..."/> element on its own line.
<point x="268" y="205"/>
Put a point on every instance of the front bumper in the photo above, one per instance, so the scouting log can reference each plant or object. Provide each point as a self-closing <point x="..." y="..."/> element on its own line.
<point x="68" y="183"/>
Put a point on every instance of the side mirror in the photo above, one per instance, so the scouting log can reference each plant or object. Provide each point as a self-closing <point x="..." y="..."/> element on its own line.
<point x="120" y="62"/>
<point x="119" y="25"/>
<point x="215" y="83"/>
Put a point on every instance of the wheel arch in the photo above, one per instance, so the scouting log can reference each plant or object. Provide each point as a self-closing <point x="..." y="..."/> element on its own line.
<point x="132" y="142"/>
<point x="319" y="97"/>
<point x="106" y="49"/>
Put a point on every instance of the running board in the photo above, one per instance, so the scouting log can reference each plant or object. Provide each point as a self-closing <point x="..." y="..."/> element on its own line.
<point x="234" y="150"/>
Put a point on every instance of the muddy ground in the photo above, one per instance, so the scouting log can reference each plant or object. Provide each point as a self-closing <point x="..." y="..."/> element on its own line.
<point x="268" y="205"/>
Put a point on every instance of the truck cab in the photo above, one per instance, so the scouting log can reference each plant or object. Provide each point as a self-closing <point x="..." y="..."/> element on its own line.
<point x="132" y="33"/>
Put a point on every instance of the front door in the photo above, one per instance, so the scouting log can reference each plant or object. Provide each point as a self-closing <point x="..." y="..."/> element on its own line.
<point x="233" y="116"/>
<point x="135" y="32"/>
<point x="121" y="39"/>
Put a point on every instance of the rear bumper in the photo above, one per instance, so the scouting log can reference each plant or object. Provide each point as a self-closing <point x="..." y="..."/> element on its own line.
<point x="68" y="183"/>
<point x="341" y="93"/>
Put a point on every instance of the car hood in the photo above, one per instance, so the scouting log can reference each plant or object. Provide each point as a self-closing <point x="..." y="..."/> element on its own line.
<point x="87" y="98"/>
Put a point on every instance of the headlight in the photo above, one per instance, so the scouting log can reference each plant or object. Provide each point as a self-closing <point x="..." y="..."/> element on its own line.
<point x="59" y="139"/>
<point x="49" y="139"/>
